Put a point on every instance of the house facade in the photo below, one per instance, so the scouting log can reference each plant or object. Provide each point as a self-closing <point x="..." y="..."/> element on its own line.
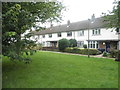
<point x="99" y="36"/>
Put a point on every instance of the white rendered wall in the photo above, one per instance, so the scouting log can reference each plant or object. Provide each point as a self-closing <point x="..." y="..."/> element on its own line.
<point x="106" y="34"/>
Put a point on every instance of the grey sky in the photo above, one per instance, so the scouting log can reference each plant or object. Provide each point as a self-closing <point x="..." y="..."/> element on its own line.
<point x="78" y="10"/>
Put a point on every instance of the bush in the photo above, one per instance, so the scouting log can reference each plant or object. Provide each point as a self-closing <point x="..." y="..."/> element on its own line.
<point x="115" y="54"/>
<point x="73" y="43"/>
<point x="37" y="47"/>
<point x="91" y="51"/>
<point x="76" y="50"/>
<point x="68" y="49"/>
<point x="85" y="46"/>
<point x="63" y="43"/>
<point x="118" y="56"/>
<point x="105" y="54"/>
<point x="82" y="51"/>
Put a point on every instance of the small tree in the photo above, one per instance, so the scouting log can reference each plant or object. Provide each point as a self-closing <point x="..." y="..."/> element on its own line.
<point x="17" y="18"/>
<point x="63" y="43"/>
<point x="73" y="43"/>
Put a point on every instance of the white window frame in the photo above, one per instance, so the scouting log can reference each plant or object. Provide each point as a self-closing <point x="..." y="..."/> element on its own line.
<point x="96" y="31"/>
<point x="81" y="33"/>
<point x="80" y="44"/>
<point x="59" y="34"/>
<point x="50" y="35"/>
<point x="69" y="34"/>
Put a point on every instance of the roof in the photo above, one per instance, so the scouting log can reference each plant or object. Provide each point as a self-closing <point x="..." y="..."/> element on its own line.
<point x="81" y="25"/>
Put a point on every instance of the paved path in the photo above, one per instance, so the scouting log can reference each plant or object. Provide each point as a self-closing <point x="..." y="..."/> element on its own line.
<point x="97" y="56"/>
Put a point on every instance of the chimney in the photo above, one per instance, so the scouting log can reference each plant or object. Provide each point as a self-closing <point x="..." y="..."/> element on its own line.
<point x="93" y="17"/>
<point x="68" y="23"/>
<point x="51" y="26"/>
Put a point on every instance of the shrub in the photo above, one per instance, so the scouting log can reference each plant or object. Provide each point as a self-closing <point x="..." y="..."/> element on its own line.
<point x="62" y="44"/>
<point x="82" y="51"/>
<point x="73" y="43"/>
<point x="118" y="56"/>
<point x="85" y="46"/>
<point x="113" y="53"/>
<point x="105" y="54"/>
<point x="75" y="50"/>
<point x="37" y="47"/>
<point x="68" y="49"/>
<point x="91" y="51"/>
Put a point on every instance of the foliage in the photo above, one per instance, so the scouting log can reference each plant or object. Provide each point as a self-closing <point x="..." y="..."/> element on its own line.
<point x="50" y="48"/>
<point x="73" y="43"/>
<point x="63" y="43"/>
<point x="85" y="46"/>
<point x="105" y="54"/>
<point x="17" y="17"/>
<point x="113" y="18"/>
<point x="82" y="51"/>
<point x="115" y="54"/>
<point x="118" y="56"/>
<point x="37" y="47"/>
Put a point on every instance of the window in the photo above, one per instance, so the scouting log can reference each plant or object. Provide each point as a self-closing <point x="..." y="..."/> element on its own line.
<point x="59" y="34"/>
<point x="93" y="44"/>
<point x="50" y="35"/>
<point x="97" y="45"/>
<point x="43" y="36"/>
<point x="43" y="44"/>
<point x="80" y="44"/>
<point x="69" y="34"/>
<point x="81" y="33"/>
<point x="96" y="32"/>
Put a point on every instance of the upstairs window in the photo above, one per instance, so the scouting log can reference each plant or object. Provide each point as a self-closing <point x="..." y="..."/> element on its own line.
<point x="59" y="34"/>
<point x="43" y="36"/>
<point x="81" y="33"/>
<point x="69" y="34"/>
<point x="50" y="35"/>
<point x="96" y="32"/>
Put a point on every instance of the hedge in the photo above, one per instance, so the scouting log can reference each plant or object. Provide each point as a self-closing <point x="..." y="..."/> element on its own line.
<point x="82" y="51"/>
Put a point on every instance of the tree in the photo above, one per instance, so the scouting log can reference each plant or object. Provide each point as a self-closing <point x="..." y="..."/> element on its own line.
<point x="63" y="43"/>
<point x="73" y="43"/>
<point x="113" y="21"/>
<point x="18" y="17"/>
<point x="113" y="18"/>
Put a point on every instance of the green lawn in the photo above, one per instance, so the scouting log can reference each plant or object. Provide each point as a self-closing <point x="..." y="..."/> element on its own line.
<point x="54" y="70"/>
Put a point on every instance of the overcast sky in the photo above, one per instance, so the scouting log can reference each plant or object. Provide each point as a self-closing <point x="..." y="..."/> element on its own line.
<point x="78" y="10"/>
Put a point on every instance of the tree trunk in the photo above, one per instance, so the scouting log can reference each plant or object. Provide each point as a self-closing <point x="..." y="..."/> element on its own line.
<point x="119" y="39"/>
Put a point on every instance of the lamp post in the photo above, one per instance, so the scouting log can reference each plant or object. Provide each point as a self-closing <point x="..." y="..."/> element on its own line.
<point x="90" y="21"/>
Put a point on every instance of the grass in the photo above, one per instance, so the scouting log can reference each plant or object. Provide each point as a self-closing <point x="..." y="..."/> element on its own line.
<point x="53" y="70"/>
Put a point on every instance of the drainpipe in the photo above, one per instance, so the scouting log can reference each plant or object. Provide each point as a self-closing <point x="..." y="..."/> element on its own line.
<point x="74" y="34"/>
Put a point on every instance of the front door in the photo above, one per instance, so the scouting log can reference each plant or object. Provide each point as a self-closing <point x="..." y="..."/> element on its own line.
<point x="107" y="46"/>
